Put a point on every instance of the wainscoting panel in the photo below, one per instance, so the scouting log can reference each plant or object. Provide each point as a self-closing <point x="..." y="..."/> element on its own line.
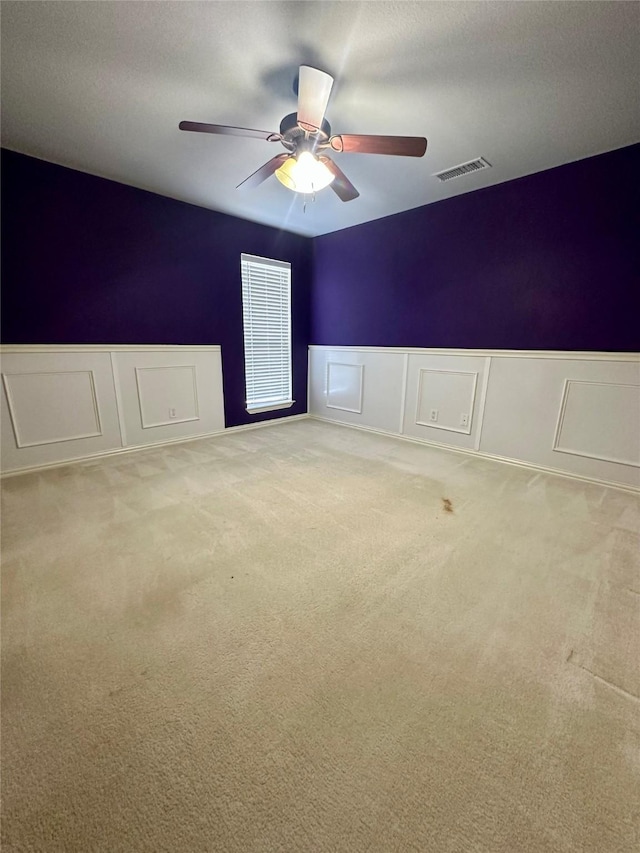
<point x="530" y="415"/>
<point x="443" y="398"/>
<point x="356" y="387"/>
<point x="61" y="404"/>
<point x="574" y="413"/>
<point x="173" y="394"/>
<point x="344" y="386"/>
<point x="54" y="405"/>
<point x="446" y="399"/>
<point x="70" y="400"/>
<point x="613" y="407"/>
<point x="167" y="395"/>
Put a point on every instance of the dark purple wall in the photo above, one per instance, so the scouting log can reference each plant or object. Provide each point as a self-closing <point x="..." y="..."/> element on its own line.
<point x="86" y="260"/>
<point x="549" y="261"/>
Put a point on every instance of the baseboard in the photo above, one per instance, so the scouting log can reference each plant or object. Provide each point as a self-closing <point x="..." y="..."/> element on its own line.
<point x="92" y="457"/>
<point x="273" y="421"/>
<point x="479" y="454"/>
<point x="270" y="422"/>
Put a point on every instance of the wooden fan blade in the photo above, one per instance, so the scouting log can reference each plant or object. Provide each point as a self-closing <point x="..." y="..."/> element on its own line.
<point x="404" y="146"/>
<point x="263" y="172"/>
<point x="341" y="185"/>
<point x="314" y="88"/>
<point x="199" y="127"/>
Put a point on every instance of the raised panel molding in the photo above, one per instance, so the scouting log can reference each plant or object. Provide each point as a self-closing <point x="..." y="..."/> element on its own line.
<point x="468" y="406"/>
<point x="338" y="372"/>
<point x="165" y="395"/>
<point x="75" y="402"/>
<point x="614" y="418"/>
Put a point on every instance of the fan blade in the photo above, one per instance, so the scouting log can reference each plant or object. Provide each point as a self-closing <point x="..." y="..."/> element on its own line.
<point x="405" y="146"/>
<point x="199" y="127"/>
<point x="341" y="185"/>
<point x="314" y="88"/>
<point x="263" y="172"/>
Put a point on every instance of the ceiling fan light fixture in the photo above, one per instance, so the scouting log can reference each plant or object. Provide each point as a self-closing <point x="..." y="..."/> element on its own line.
<point x="304" y="174"/>
<point x="306" y="132"/>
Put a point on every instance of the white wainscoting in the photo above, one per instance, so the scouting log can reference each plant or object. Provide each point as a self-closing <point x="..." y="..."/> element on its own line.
<point x="345" y="386"/>
<point x="611" y="404"/>
<point x="446" y="399"/>
<point x="64" y="403"/>
<point x="574" y="413"/>
<point x="172" y="393"/>
<point x="453" y="387"/>
<point x="168" y="395"/>
<point x="378" y="398"/>
<point x="28" y="393"/>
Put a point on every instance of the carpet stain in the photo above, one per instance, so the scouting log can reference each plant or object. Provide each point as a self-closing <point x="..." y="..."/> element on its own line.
<point x="448" y="506"/>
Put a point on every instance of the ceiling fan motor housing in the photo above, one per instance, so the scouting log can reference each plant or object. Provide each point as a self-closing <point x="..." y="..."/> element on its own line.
<point x="296" y="139"/>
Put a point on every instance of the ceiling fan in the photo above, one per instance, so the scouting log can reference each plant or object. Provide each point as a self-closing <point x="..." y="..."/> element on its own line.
<point x="306" y="135"/>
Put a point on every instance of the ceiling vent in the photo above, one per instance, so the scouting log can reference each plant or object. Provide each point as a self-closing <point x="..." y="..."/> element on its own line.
<point x="463" y="169"/>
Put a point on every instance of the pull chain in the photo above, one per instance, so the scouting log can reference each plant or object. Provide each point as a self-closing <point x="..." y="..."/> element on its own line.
<point x="304" y="200"/>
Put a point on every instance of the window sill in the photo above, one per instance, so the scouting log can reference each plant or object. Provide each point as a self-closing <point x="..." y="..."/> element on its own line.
<point x="271" y="407"/>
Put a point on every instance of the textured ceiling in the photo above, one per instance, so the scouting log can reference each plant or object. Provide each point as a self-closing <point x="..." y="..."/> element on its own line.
<point x="101" y="87"/>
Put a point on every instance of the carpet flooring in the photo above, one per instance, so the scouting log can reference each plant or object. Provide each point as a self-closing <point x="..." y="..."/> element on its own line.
<point x="306" y="638"/>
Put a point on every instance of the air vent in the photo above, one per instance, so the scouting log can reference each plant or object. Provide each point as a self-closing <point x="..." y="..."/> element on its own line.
<point x="463" y="169"/>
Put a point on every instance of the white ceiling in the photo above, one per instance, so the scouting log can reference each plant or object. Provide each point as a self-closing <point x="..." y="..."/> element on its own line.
<point x="101" y="87"/>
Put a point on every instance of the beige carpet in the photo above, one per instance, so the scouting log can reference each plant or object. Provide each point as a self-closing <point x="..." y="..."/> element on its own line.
<point x="284" y="640"/>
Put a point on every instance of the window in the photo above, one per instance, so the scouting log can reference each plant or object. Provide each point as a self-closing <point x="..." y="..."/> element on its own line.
<point x="266" y="314"/>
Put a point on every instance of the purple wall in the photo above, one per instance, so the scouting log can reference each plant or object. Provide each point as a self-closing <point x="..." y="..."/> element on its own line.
<point x="86" y="260"/>
<point x="549" y="261"/>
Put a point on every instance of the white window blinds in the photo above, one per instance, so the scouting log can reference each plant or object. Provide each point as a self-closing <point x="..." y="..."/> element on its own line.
<point x="266" y="312"/>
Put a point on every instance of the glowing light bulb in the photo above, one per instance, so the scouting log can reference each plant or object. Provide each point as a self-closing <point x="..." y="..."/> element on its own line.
<point x="304" y="174"/>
